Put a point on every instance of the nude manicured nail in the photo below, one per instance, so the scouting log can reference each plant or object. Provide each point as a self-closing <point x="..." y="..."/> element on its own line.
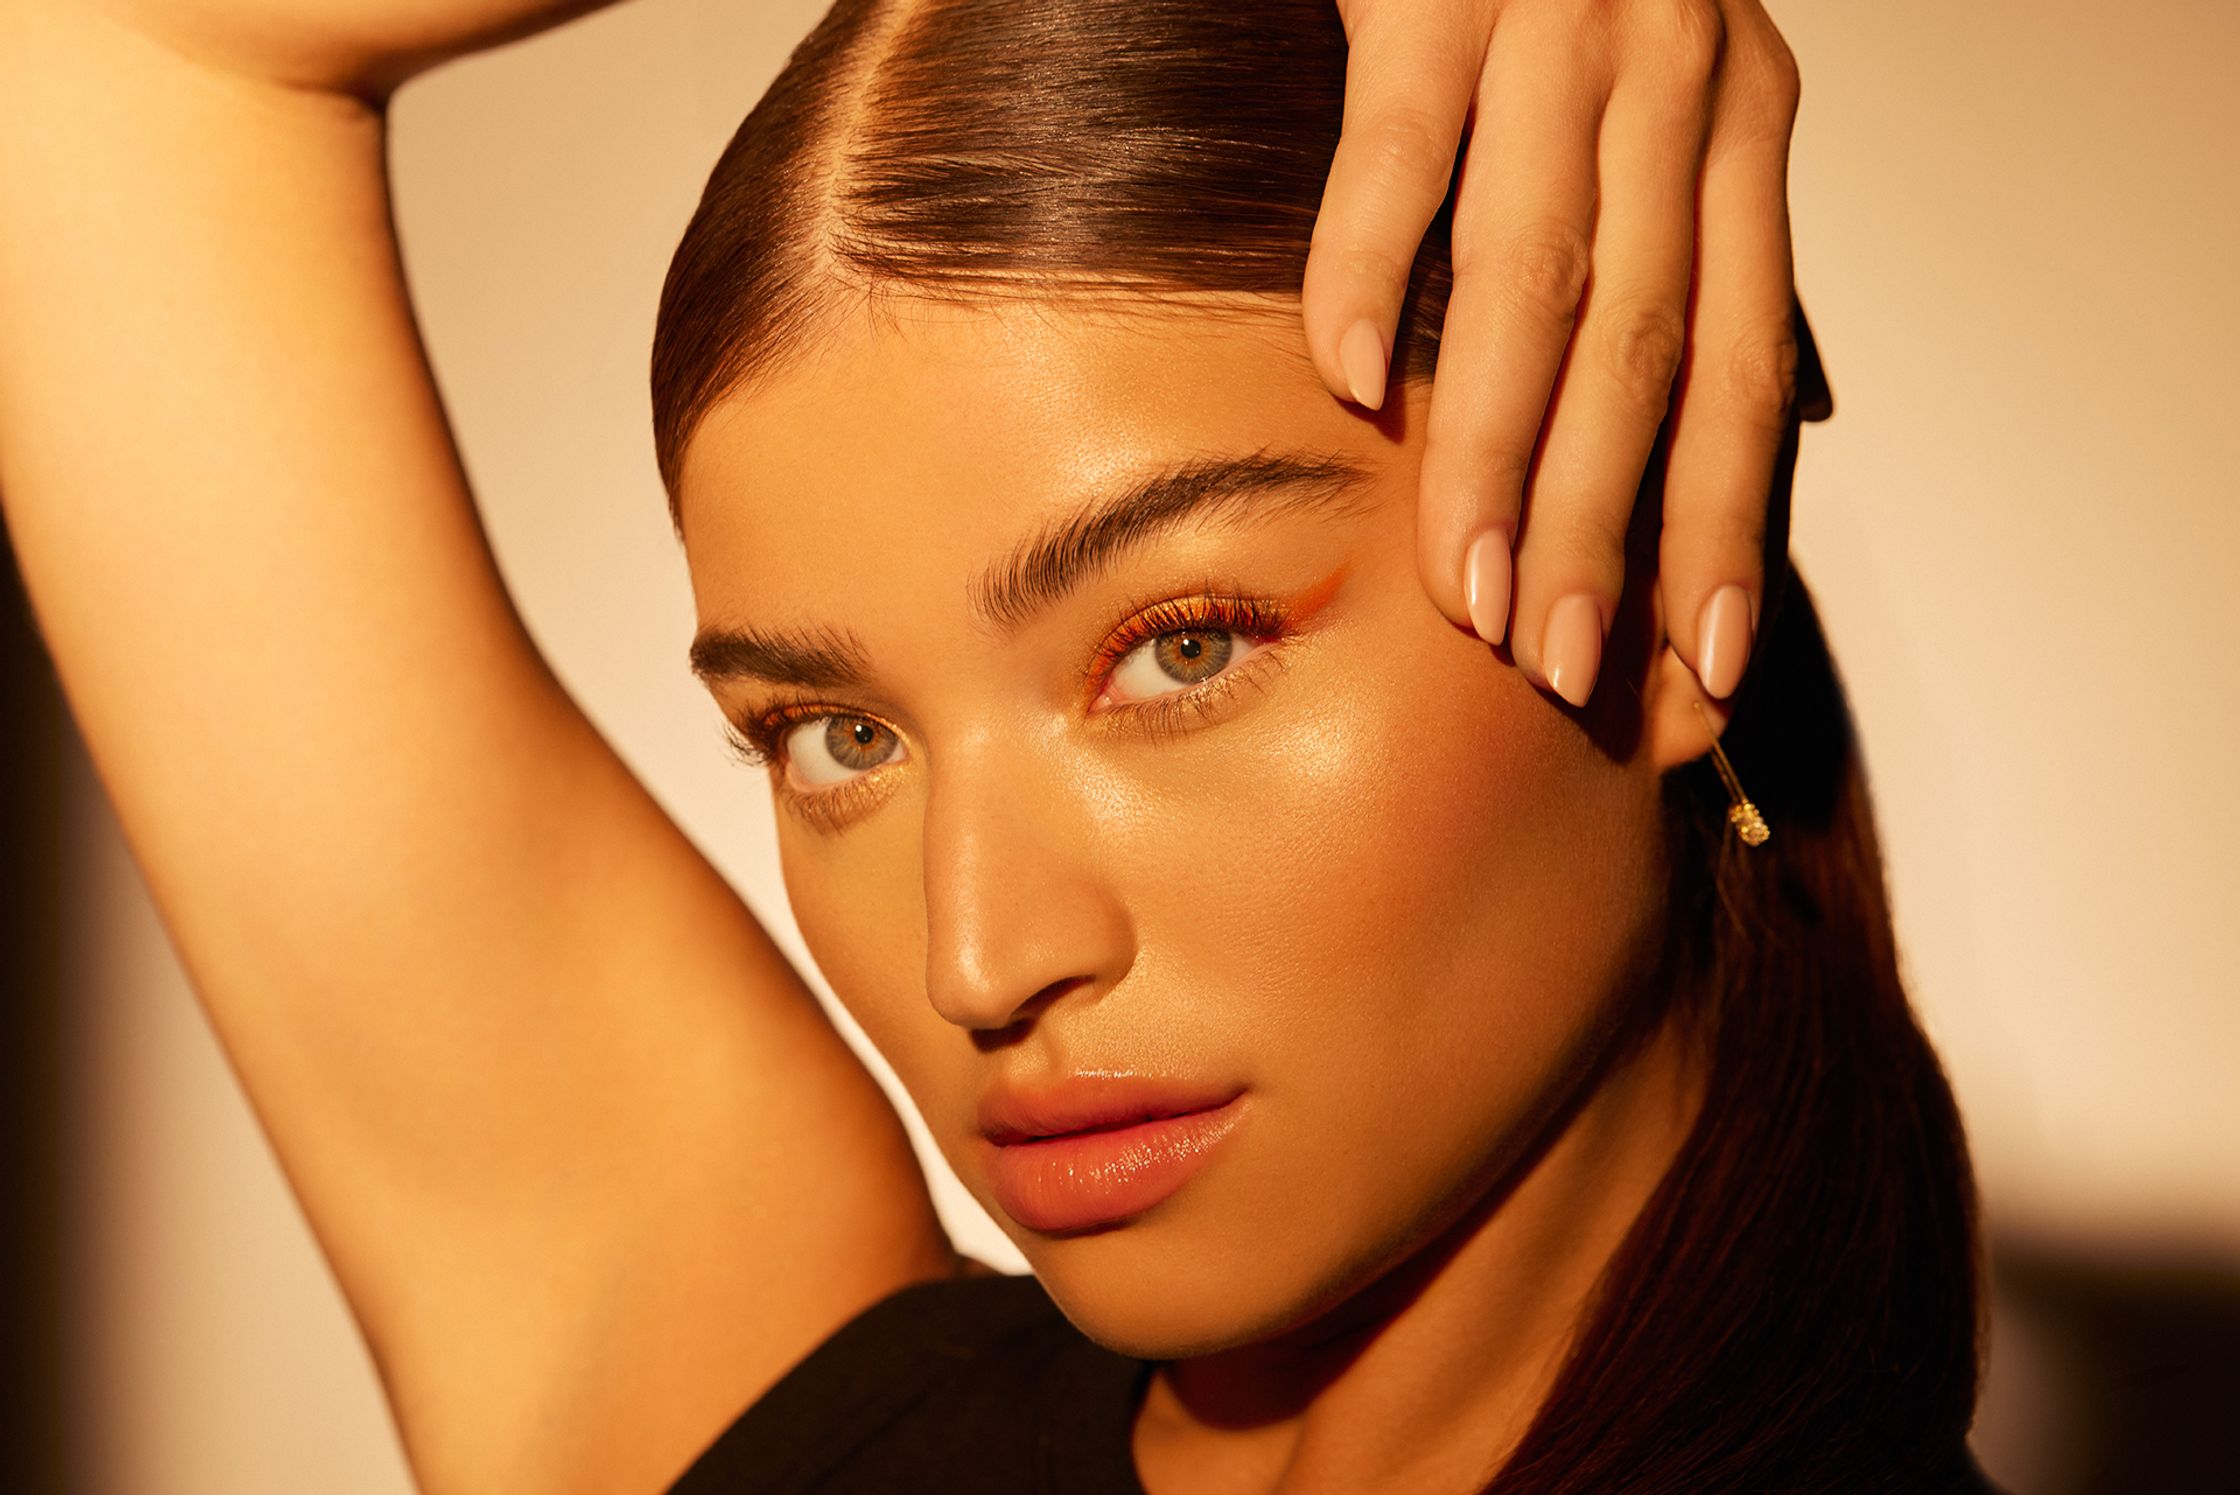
<point x="1361" y="355"/>
<point x="1571" y="646"/>
<point x="1485" y="584"/>
<point x="1723" y="639"/>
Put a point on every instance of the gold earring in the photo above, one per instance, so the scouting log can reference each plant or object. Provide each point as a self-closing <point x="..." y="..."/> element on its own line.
<point x="1742" y="814"/>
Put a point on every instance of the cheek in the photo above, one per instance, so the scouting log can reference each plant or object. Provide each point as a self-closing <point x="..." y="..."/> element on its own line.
<point x="860" y="903"/>
<point x="1423" y="842"/>
<point x="1394" y="898"/>
<point x="1407" y="912"/>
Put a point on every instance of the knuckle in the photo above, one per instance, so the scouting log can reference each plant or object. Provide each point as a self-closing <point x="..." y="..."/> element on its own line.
<point x="1546" y="268"/>
<point x="1732" y="530"/>
<point x="1560" y="17"/>
<point x="1746" y="532"/>
<point x="1761" y="377"/>
<point x="1370" y="265"/>
<point x="1601" y="541"/>
<point x="1588" y="538"/>
<point x="1410" y="149"/>
<point x="1782" y="83"/>
<point x="1506" y="468"/>
<point x="1644" y="348"/>
<point x="1767" y="71"/>
<point x="1599" y="19"/>
<point x="1693" y="34"/>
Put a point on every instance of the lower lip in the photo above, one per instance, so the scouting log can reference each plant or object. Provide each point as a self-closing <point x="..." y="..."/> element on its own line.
<point x="1085" y="1179"/>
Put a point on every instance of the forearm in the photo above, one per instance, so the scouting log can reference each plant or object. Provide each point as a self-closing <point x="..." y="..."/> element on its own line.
<point x="220" y="448"/>
<point x="474" y="981"/>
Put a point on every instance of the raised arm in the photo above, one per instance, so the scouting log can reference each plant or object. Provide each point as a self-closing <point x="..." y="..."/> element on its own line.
<point x="590" y="1164"/>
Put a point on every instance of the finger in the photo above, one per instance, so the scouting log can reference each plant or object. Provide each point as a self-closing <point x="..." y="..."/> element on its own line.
<point x="1524" y="210"/>
<point x="1409" y="75"/>
<point x="1617" y="384"/>
<point x="1738" y="387"/>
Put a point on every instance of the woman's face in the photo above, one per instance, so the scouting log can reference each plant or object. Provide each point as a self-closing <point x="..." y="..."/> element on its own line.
<point x="1205" y="792"/>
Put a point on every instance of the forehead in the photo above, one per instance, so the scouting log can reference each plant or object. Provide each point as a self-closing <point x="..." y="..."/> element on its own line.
<point x="910" y="446"/>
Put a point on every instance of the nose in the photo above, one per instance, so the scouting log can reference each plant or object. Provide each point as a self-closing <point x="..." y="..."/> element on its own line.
<point x="1016" y="903"/>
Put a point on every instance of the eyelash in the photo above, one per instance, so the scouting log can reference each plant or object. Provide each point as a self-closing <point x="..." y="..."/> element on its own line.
<point x="758" y="742"/>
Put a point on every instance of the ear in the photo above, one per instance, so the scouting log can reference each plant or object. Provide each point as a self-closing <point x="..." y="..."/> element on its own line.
<point x="1670" y="693"/>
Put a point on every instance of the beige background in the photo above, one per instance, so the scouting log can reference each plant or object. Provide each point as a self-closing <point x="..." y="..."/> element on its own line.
<point x="2017" y="233"/>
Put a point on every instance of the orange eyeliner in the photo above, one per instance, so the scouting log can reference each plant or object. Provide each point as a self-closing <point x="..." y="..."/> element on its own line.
<point x="1311" y="601"/>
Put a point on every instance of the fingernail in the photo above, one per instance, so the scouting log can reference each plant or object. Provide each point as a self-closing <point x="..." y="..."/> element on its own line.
<point x="1361" y="355"/>
<point x="1723" y="639"/>
<point x="1571" y="646"/>
<point x="1485" y="584"/>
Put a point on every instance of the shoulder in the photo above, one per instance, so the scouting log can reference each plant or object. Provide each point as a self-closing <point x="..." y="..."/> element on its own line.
<point x="982" y="1380"/>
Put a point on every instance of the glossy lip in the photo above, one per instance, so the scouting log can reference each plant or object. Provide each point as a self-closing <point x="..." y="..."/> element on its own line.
<point x="1099" y="1149"/>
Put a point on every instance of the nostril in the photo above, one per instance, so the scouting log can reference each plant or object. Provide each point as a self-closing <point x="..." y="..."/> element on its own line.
<point x="996" y="1040"/>
<point x="989" y="1040"/>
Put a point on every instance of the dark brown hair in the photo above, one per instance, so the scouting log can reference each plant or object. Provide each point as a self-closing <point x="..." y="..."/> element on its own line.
<point x="1796" y="1308"/>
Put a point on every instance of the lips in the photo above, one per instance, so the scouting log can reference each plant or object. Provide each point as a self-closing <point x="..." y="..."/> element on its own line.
<point x="1099" y="1150"/>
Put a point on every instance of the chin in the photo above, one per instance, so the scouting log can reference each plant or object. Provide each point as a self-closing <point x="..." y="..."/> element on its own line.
<point x="1154" y="1309"/>
<point x="1172" y="1288"/>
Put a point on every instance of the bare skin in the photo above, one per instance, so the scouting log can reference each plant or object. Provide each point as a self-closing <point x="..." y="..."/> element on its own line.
<point x="1370" y="875"/>
<point x="522" y="1068"/>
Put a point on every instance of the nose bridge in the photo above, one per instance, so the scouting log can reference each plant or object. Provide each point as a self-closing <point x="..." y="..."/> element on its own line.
<point x="1015" y="900"/>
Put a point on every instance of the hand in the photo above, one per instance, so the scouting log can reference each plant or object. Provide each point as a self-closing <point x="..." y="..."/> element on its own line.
<point x="1598" y="129"/>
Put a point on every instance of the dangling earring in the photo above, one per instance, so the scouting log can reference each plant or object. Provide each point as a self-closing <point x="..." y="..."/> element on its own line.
<point x="1742" y="814"/>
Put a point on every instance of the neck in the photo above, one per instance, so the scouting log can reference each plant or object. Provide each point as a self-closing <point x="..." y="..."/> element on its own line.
<point x="1426" y="1379"/>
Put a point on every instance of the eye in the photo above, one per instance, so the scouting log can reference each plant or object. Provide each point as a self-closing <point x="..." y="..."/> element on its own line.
<point x="1173" y="661"/>
<point x="1176" y="660"/>
<point x="1161" y="656"/>
<point x="826" y="750"/>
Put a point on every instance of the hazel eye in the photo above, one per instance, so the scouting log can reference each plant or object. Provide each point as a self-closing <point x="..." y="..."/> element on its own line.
<point x="1178" y="659"/>
<point x="829" y="750"/>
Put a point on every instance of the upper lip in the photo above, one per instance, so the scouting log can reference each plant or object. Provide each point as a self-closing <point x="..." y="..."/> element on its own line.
<point x="1091" y="1102"/>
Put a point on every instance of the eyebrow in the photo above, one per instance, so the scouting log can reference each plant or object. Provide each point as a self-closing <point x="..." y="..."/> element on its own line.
<point x="1050" y="564"/>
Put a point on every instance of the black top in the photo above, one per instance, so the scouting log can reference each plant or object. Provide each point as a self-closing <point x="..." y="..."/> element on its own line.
<point x="979" y="1378"/>
<point x="981" y="1381"/>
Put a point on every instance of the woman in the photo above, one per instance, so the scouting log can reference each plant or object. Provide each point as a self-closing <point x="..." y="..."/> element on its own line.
<point x="1396" y="1072"/>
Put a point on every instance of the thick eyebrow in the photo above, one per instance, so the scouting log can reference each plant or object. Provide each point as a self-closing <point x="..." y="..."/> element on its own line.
<point x="1047" y="566"/>
<point x="1044" y="568"/>
<point x="815" y="658"/>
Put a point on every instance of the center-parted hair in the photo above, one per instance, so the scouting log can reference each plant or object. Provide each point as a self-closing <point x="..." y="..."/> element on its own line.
<point x="972" y="148"/>
<point x="1796" y="1309"/>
